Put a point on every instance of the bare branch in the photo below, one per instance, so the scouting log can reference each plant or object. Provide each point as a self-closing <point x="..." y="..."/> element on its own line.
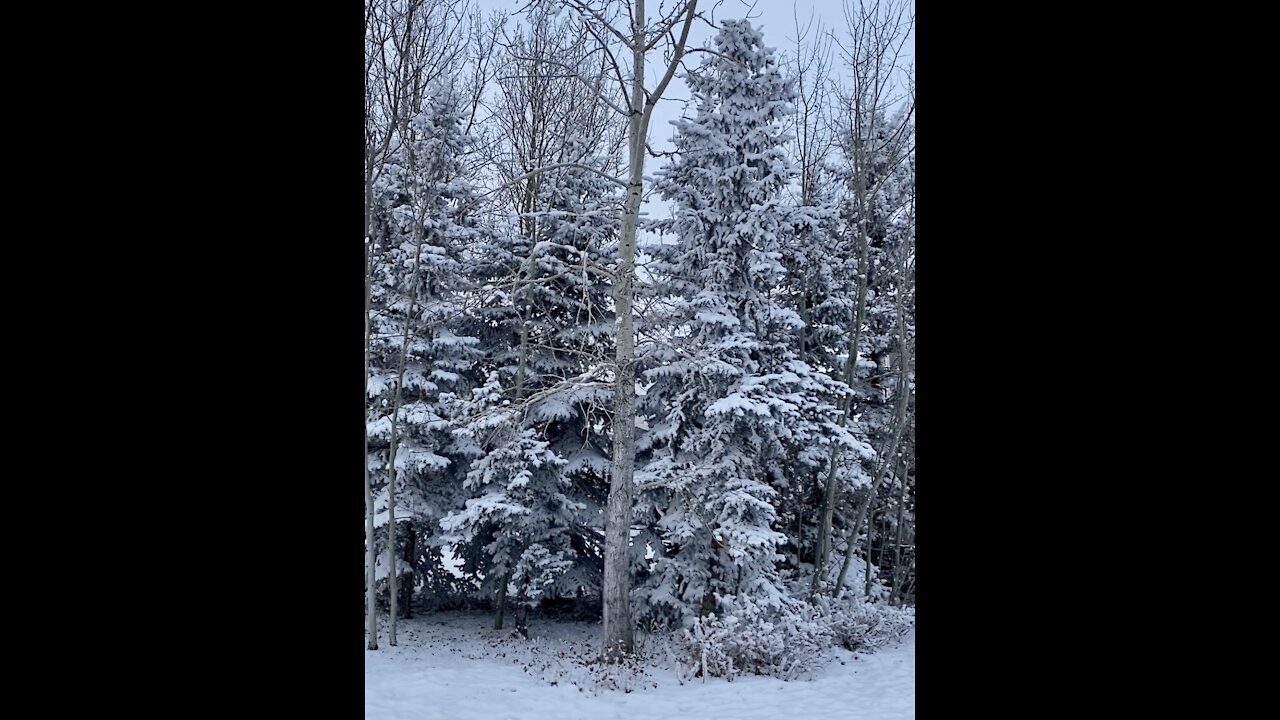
<point x="585" y="8"/>
<point x="677" y="54"/>
<point x="667" y="24"/>
<point x="657" y="153"/>
<point x="573" y="73"/>
<point x="547" y="168"/>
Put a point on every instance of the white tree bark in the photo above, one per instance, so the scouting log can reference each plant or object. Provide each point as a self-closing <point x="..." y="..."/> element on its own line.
<point x="392" y="578"/>
<point x="395" y="417"/>
<point x="407" y="46"/>
<point x="638" y="38"/>
<point x="371" y="606"/>
<point x="889" y="454"/>
<point x="873" y="50"/>
<point x="618" y="627"/>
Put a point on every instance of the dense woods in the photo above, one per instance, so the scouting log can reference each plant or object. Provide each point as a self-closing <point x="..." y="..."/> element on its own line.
<point x="632" y="372"/>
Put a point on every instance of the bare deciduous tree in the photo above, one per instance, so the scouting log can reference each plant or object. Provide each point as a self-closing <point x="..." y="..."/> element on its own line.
<point x="408" y="45"/>
<point x="550" y="113"/>
<point x="889" y="453"/>
<point x="635" y="40"/>
<point x="873" y="51"/>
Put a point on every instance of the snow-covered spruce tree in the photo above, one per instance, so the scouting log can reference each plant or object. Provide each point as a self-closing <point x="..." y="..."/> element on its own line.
<point x="727" y="395"/>
<point x="571" y="335"/>
<point x="819" y="285"/>
<point x="518" y="517"/>
<point x="544" y="316"/>
<point x="423" y="205"/>
<point x="546" y="324"/>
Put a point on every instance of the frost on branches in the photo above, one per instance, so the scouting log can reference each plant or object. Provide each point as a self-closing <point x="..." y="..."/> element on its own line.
<point x="421" y="225"/>
<point x="518" y="517"/>
<point x="774" y="316"/>
<point x="728" y="397"/>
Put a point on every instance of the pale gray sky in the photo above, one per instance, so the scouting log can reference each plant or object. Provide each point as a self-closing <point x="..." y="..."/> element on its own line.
<point x="777" y="18"/>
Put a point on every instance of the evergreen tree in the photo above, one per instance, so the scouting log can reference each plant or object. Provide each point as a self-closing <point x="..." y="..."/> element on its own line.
<point x="518" y="514"/>
<point x="424" y="202"/>
<point x="728" y="393"/>
<point x="572" y="330"/>
<point x="543" y="312"/>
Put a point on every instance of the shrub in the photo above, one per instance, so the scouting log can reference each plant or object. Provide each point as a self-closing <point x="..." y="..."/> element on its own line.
<point x="784" y="642"/>
<point x="787" y="641"/>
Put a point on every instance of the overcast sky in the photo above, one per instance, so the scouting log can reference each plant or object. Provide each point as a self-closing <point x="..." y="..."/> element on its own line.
<point x="777" y="18"/>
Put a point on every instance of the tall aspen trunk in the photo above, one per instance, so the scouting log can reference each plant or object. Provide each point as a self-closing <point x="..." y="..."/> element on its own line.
<point x="822" y="551"/>
<point x="889" y="454"/>
<point x="370" y="557"/>
<point x="392" y="577"/>
<point x="618" y="631"/>
<point x="896" y="598"/>
<point x="616" y="585"/>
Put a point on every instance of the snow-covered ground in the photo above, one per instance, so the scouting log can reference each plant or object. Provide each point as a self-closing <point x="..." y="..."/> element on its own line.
<point x="454" y="666"/>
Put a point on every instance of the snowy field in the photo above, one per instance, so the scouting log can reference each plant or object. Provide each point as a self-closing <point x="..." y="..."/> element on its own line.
<point x="454" y="666"/>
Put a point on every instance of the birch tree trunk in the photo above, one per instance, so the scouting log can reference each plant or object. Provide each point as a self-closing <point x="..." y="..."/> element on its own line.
<point x="375" y="151"/>
<point x="638" y="38"/>
<point x="618" y="629"/>
<point x="889" y="454"/>
<point x="370" y="557"/>
<point x="895" y="599"/>
<point x="392" y="578"/>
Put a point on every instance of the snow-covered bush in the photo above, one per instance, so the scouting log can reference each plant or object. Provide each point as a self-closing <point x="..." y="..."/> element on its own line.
<point x="860" y="625"/>
<point x="705" y="646"/>
<point x="888" y="624"/>
<point x="752" y="638"/>
<point x="786" y="642"/>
